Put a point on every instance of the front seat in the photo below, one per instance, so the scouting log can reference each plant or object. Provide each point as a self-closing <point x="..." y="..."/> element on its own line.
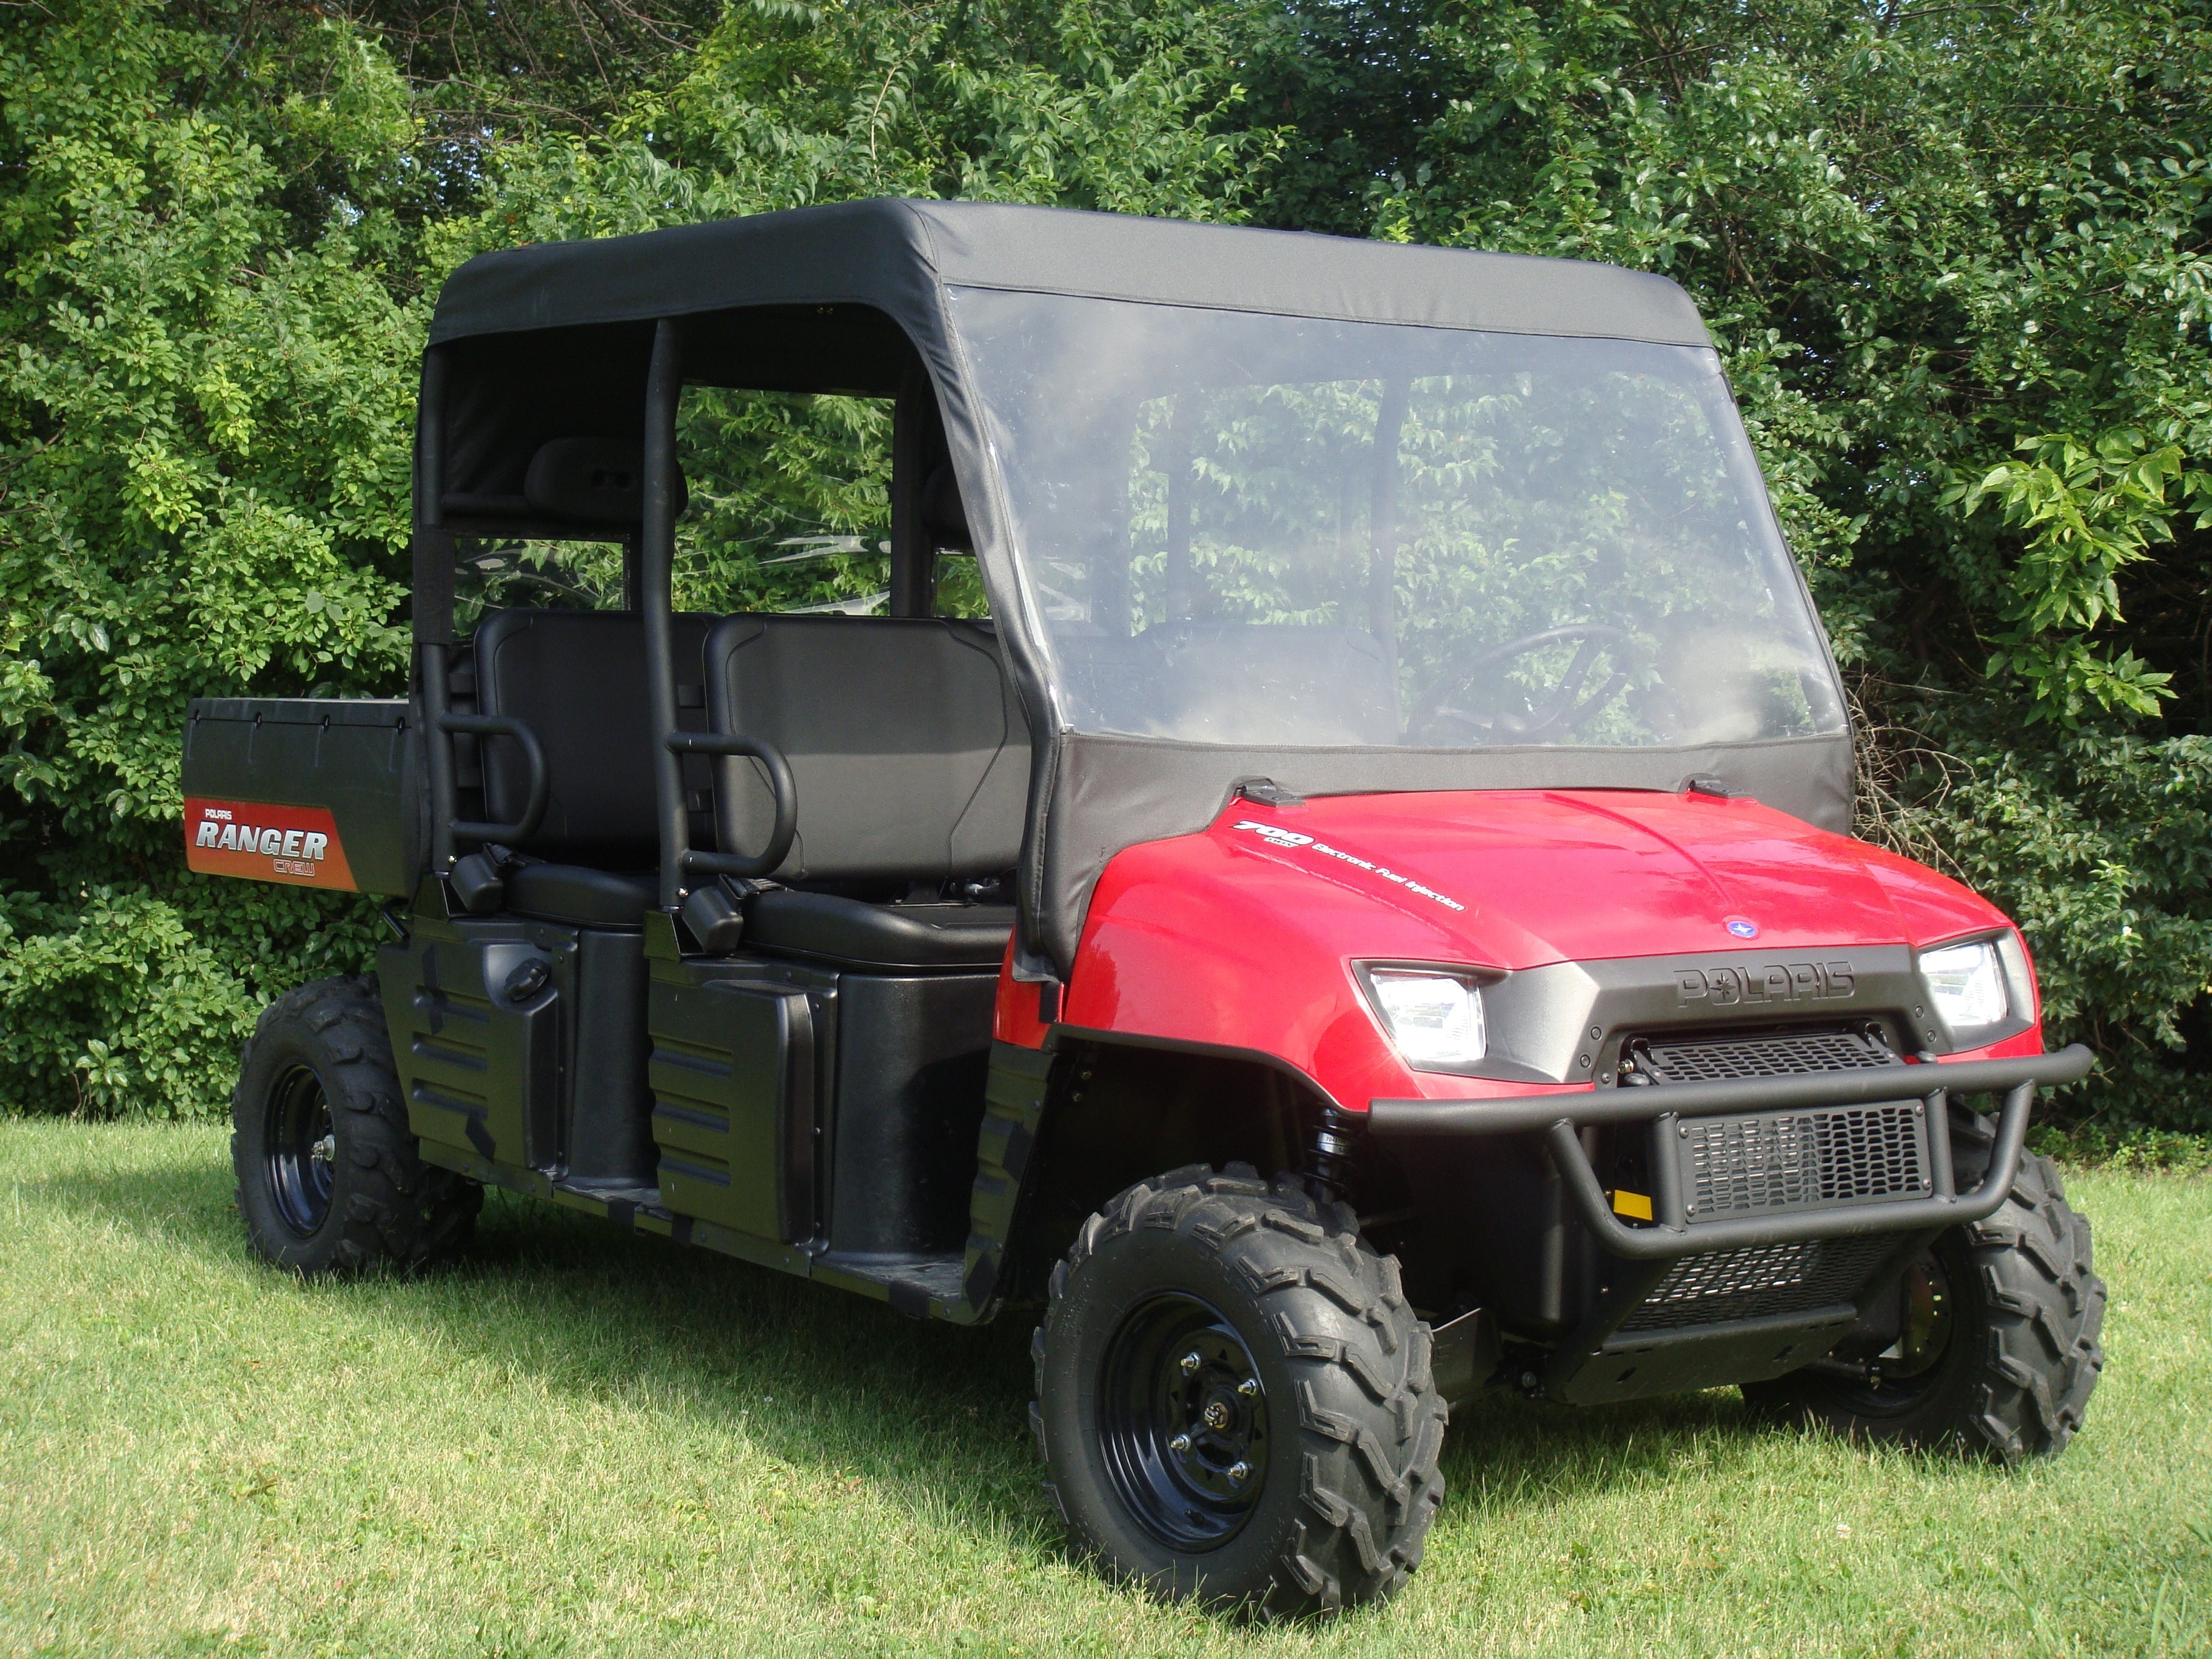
<point x="911" y="760"/>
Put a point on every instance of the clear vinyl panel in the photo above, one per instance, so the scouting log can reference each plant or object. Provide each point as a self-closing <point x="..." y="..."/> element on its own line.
<point x="1268" y="531"/>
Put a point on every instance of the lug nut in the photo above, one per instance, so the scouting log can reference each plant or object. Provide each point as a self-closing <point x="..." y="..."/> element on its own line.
<point x="1180" y="1444"/>
<point x="1249" y="1388"/>
<point x="1240" y="1471"/>
<point x="1191" y="1362"/>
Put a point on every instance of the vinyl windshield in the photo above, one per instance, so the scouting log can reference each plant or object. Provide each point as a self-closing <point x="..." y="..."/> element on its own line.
<point x="1268" y="531"/>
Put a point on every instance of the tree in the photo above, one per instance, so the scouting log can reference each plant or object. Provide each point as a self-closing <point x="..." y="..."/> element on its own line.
<point x="1956" y="260"/>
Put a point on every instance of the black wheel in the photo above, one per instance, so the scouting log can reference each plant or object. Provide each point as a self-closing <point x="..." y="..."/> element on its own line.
<point x="1999" y="1350"/>
<point x="1234" y="1400"/>
<point x="329" y="1180"/>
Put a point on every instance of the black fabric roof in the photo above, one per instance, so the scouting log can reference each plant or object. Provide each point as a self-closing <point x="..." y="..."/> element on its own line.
<point x="892" y="254"/>
<point x="552" y="342"/>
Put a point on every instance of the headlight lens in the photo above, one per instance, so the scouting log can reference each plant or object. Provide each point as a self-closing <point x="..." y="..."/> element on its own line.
<point x="1967" y="984"/>
<point x="1436" y="1020"/>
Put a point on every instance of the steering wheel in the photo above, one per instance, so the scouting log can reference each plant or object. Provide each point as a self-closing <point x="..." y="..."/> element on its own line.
<point x="1565" y="711"/>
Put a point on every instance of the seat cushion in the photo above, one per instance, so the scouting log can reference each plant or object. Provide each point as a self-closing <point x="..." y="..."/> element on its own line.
<point x="571" y="892"/>
<point x="878" y="935"/>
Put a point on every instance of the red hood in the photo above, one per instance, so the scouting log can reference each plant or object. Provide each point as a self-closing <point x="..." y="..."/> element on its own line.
<point x="1243" y="936"/>
<point x="1544" y="876"/>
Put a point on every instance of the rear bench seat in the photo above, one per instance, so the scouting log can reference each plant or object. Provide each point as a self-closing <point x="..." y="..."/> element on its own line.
<point x="577" y="679"/>
<point x="904" y="739"/>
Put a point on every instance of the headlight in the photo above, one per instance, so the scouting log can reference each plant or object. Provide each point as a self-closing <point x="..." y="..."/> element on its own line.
<point x="1967" y="982"/>
<point x="1436" y="1020"/>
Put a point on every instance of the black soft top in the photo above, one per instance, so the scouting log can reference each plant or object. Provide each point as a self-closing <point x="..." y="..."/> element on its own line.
<point x="553" y="342"/>
<point x="896" y="255"/>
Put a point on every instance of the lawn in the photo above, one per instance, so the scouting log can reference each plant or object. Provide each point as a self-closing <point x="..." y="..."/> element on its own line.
<point x="582" y="1442"/>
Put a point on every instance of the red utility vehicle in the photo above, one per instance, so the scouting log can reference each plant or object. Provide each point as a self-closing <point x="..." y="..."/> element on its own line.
<point x="1367" y="918"/>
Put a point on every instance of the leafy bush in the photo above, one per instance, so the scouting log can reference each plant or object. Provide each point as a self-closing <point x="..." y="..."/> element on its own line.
<point x="1956" y="259"/>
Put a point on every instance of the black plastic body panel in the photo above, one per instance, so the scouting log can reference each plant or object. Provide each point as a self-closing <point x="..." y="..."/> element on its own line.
<point x="747" y="1093"/>
<point x="356" y="758"/>
<point x="552" y="1079"/>
<point x="481" y="1069"/>
<point x="1496" y="1233"/>
<point x="610" y="1134"/>
<point x="913" y="1056"/>
<point x="741" y="1051"/>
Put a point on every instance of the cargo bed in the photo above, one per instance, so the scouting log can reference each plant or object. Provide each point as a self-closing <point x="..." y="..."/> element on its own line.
<point x="306" y="792"/>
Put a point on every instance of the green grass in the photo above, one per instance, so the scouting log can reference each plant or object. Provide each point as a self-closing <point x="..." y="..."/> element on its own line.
<point x="585" y="1443"/>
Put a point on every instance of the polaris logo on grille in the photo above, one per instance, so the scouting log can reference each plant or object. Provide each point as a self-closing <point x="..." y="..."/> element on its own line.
<point x="1778" y="981"/>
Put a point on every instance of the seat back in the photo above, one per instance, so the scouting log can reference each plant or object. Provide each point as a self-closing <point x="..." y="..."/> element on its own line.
<point x="904" y="737"/>
<point x="577" y="679"/>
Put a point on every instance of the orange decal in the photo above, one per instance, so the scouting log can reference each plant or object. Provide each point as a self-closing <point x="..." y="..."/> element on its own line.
<point x="296" y="845"/>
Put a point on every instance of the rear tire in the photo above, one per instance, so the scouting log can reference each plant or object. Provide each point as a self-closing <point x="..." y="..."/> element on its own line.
<point x="1311" y="1375"/>
<point x="2024" y="1307"/>
<point x="329" y="1179"/>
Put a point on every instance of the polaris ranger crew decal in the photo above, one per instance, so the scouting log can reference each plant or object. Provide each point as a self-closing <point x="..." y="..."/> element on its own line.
<point x="296" y="845"/>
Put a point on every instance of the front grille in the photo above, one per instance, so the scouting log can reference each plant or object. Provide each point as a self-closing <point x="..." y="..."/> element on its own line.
<point x="1769" y="1161"/>
<point x="1762" y="1280"/>
<point x="1720" y="1057"/>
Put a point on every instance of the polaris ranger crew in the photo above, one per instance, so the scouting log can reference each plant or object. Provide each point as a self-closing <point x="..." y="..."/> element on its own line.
<point x="1369" y="917"/>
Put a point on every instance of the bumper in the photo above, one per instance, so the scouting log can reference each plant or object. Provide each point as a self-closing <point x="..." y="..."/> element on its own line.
<point x="1561" y="1119"/>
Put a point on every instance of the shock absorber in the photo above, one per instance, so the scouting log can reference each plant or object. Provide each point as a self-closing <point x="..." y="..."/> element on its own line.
<point x="1331" y="1153"/>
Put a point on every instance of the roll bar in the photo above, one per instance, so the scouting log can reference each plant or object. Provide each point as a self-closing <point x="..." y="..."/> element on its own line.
<point x="656" y="563"/>
<point x="434" y="605"/>
<point x="649" y="560"/>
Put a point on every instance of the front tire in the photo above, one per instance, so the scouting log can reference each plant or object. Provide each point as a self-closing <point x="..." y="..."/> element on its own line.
<point x="1234" y="1400"/>
<point x="2020" y="1306"/>
<point x="330" y="1180"/>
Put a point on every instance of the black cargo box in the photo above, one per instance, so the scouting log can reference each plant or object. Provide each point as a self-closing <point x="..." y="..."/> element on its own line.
<point x="342" y="780"/>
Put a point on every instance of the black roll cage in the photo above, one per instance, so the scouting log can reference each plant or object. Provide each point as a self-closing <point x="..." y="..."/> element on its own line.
<point x="857" y="294"/>
<point x="648" y="575"/>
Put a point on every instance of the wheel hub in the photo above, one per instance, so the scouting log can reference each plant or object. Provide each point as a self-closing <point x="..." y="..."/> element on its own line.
<point x="1895" y="1379"/>
<point x="300" y="1148"/>
<point x="1184" y="1419"/>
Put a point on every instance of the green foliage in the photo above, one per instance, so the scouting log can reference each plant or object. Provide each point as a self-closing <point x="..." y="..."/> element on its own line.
<point x="790" y="500"/>
<point x="2100" y="846"/>
<point x="2090" y="510"/>
<point x="220" y="231"/>
<point x="205" y="407"/>
<point x="1956" y="258"/>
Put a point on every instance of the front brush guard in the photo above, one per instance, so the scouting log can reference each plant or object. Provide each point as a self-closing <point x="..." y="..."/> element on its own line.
<point x="1606" y="1359"/>
<point x="1561" y="1117"/>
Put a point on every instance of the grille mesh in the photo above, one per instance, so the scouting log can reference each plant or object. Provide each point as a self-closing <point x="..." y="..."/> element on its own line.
<point x="1764" y="1280"/>
<point x="1784" y="1160"/>
<point x="1719" y="1058"/>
